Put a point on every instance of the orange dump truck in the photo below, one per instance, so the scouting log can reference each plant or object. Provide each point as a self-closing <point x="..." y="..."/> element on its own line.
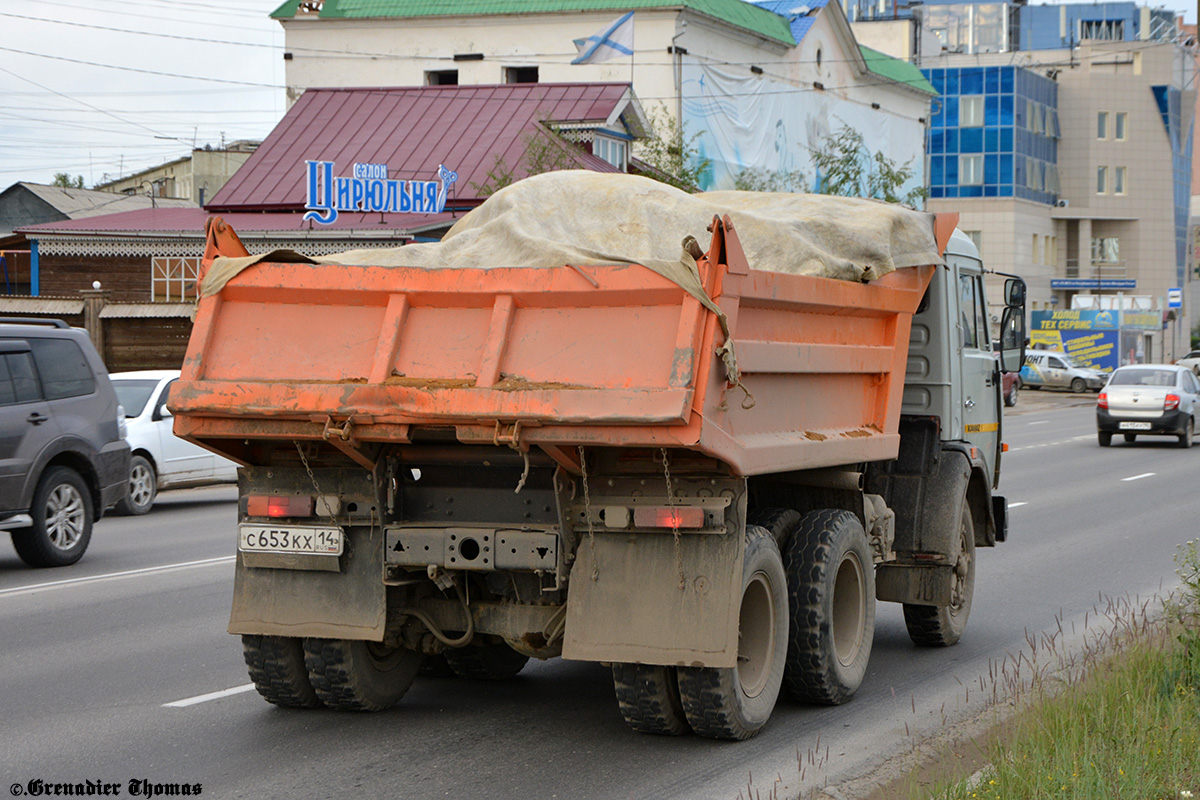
<point x="701" y="469"/>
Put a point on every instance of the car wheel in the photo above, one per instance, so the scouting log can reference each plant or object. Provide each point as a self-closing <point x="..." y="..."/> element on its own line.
<point x="1078" y="386"/>
<point x="1185" y="438"/>
<point x="62" y="521"/>
<point x="1010" y="399"/>
<point x="1105" y="438"/>
<point x="143" y="488"/>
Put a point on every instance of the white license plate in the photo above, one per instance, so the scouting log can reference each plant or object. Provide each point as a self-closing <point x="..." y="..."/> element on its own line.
<point x="290" y="539"/>
<point x="1135" y="426"/>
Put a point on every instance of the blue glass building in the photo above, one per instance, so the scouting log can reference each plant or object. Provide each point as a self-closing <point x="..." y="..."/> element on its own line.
<point x="993" y="133"/>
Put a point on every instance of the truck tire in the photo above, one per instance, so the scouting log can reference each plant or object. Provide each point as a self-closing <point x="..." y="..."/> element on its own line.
<point x="62" y="521"/>
<point x="143" y="488"/>
<point x="353" y="675"/>
<point x="485" y="662"/>
<point x="736" y="702"/>
<point x="648" y="696"/>
<point x="781" y="522"/>
<point x="831" y="588"/>
<point x="942" y="626"/>
<point x="276" y="666"/>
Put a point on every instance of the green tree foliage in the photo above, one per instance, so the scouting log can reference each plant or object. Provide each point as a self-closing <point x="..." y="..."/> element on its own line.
<point x="545" y="151"/>
<point x="65" y="181"/>
<point x="672" y="156"/>
<point x="761" y="179"/>
<point x="846" y="167"/>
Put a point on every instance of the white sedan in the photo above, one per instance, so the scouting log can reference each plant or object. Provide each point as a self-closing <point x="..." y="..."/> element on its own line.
<point x="1149" y="400"/>
<point x="160" y="458"/>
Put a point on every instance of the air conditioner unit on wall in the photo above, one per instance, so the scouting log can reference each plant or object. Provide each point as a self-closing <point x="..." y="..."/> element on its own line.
<point x="1062" y="203"/>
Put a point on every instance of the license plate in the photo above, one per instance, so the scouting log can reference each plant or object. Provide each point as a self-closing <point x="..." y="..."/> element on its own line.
<point x="1135" y="426"/>
<point x="271" y="539"/>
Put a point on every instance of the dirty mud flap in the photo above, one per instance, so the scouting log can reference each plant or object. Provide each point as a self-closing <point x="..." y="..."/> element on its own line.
<point x="915" y="584"/>
<point x="346" y="604"/>
<point x="635" y="611"/>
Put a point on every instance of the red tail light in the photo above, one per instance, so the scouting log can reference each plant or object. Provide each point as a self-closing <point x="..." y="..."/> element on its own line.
<point x="261" y="505"/>
<point x="1171" y="402"/>
<point x="1102" y="400"/>
<point x="668" y="517"/>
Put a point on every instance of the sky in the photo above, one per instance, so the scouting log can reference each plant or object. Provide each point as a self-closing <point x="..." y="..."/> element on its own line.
<point x="104" y="88"/>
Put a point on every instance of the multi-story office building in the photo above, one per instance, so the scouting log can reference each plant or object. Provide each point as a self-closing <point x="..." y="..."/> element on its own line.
<point x="1062" y="135"/>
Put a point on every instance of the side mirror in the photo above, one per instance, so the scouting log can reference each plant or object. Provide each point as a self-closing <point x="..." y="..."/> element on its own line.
<point x="1014" y="292"/>
<point x="1012" y="338"/>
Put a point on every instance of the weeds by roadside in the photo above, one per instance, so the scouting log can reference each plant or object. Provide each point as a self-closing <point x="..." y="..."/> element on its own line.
<point x="1125" y="725"/>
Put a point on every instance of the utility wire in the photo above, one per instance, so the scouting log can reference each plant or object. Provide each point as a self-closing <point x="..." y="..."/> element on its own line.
<point x="140" y="71"/>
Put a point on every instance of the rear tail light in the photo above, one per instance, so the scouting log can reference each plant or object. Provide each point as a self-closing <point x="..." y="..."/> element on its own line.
<point x="262" y="505"/>
<point x="1170" y="402"/>
<point x="668" y="517"/>
<point x="1102" y="400"/>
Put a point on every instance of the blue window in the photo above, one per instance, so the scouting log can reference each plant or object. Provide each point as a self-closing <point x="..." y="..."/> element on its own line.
<point x="951" y="140"/>
<point x="991" y="170"/>
<point x="1006" y="172"/>
<point x="1006" y="110"/>
<point x="970" y="191"/>
<point x="991" y="191"/>
<point x="970" y="140"/>
<point x="971" y="81"/>
<point x="950" y="104"/>
<point x="992" y="80"/>
<point x="1006" y="79"/>
<point x="937" y="191"/>
<point x="991" y="111"/>
<point x="991" y="140"/>
<point x="1006" y="140"/>
<point x="936" y="171"/>
<point x="951" y="81"/>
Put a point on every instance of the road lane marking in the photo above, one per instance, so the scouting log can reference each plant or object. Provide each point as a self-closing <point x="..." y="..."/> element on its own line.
<point x="1139" y="477"/>
<point x="1017" y="505"/>
<point x="1040" y="422"/>
<point x="204" y="698"/>
<point x="114" y="576"/>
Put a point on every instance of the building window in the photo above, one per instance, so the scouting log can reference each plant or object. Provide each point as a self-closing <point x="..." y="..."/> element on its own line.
<point x="173" y="280"/>
<point x="520" y="74"/>
<point x="441" y="77"/>
<point x="1036" y="252"/>
<point x="1118" y="180"/>
<point x="970" y="111"/>
<point x="614" y="151"/>
<point x="1106" y="250"/>
<point x="1119" y="120"/>
<point x="1102" y="125"/>
<point x="1051" y="243"/>
<point x="1101" y="180"/>
<point x="970" y="170"/>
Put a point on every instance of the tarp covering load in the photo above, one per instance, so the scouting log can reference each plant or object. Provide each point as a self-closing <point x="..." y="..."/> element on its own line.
<point x="589" y="219"/>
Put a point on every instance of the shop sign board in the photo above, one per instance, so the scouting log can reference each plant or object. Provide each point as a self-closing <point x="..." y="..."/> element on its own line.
<point x="1091" y="337"/>
<point x="368" y="188"/>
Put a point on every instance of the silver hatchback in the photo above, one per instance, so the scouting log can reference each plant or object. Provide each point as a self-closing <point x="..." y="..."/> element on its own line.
<point x="1148" y="400"/>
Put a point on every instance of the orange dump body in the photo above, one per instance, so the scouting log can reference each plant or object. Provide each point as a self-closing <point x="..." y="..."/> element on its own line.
<point x="552" y="358"/>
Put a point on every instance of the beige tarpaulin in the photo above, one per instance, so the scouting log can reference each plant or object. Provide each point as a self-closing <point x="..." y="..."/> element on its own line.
<point x="589" y="219"/>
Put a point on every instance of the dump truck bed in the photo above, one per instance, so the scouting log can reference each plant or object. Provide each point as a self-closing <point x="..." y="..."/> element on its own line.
<point x="617" y="355"/>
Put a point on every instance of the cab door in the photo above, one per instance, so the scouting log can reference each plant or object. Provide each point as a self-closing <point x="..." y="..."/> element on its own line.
<point x="980" y="384"/>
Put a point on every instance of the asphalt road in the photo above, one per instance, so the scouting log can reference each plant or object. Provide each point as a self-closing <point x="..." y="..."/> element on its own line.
<point x="119" y="668"/>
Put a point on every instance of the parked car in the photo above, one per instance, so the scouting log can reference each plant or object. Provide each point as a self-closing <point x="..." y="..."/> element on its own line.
<point x="1191" y="361"/>
<point x="1149" y="399"/>
<point x="160" y="458"/>
<point x="1055" y="370"/>
<point x="63" y="455"/>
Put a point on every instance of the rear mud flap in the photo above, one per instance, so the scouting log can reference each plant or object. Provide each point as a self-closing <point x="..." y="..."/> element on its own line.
<point x="347" y="604"/>
<point x="635" y="611"/>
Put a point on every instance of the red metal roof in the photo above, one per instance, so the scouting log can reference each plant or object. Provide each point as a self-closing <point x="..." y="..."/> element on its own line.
<point x="412" y="130"/>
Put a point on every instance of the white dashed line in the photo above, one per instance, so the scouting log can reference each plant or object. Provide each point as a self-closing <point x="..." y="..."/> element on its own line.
<point x="1139" y="477"/>
<point x="204" y="698"/>
<point x="1017" y="505"/>
<point x="114" y="576"/>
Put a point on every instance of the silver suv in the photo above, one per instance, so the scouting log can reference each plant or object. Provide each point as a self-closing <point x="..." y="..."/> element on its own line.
<point x="63" y="455"/>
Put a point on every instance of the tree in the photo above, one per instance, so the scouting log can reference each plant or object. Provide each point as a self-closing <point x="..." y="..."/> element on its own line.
<point x="545" y="151"/>
<point x="761" y="179"/>
<point x="846" y="167"/>
<point x="65" y="181"/>
<point x="672" y="157"/>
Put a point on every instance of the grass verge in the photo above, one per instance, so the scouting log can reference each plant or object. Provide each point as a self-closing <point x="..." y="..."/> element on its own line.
<point x="1126" y="726"/>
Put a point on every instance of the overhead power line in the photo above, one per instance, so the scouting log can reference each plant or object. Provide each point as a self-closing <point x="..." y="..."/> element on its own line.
<point x="141" y="71"/>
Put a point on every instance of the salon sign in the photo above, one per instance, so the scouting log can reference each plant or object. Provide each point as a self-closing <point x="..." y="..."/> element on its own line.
<point x="368" y="188"/>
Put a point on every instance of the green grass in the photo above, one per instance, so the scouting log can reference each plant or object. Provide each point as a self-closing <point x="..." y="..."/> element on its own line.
<point x="1127" y="727"/>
